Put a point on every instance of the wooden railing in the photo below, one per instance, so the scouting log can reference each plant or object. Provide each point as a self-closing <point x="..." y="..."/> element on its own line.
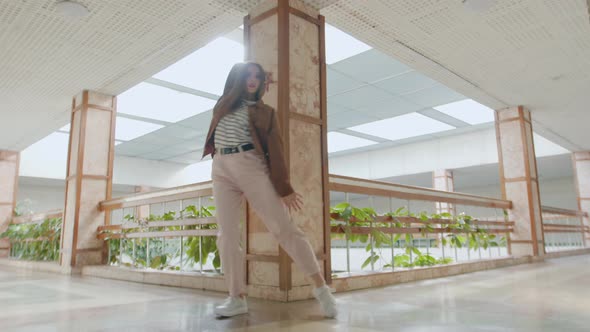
<point x="564" y="229"/>
<point x="129" y="236"/>
<point x="36" y="236"/>
<point x="399" y="219"/>
<point x="176" y="240"/>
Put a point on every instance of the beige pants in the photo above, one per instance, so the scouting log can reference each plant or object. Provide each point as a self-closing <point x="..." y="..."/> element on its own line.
<point x="246" y="174"/>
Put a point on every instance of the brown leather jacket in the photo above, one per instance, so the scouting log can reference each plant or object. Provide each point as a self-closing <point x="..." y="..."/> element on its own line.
<point x="266" y="136"/>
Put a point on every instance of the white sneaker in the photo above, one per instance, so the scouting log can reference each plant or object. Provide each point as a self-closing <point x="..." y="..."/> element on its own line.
<point x="231" y="307"/>
<point x="327" y="301"/>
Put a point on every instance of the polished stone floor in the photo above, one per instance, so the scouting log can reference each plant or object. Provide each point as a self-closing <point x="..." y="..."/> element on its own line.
<point x="550" y="296"/>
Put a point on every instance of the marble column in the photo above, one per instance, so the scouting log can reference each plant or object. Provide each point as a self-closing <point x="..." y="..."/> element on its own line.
<point x="442" y="179"/>
<point x="581" y="164"/>
<point x="518" y="176"/>
<point x="9" y="164"/>
<point x="89" y="179"/>
<point x="287" y="39"/>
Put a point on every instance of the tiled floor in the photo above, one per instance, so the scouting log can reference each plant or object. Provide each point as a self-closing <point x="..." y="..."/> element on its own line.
<point x="551" y="296"/>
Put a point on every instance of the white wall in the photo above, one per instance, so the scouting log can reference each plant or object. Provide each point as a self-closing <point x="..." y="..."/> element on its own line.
<point x="127" y="170"/>
<point x="42" y="198"/>
<point x="556" y="192"/>
<point x="453" y="152"/>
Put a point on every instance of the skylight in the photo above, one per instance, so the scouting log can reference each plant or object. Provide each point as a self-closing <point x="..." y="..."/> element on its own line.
<point x="128" y="129"/>
<point x="159" y="103"/>
<point x="468" y="110"/>
<point x="53" y="147"/>
<point x="340" y="142"/>
<point x="340" y="45"/>
<point x="545" y="147"/>
<point x="403" y="126"/>
<point x="205" y="69"/>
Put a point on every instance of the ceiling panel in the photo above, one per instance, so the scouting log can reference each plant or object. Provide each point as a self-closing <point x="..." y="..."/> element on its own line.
<point x="178" y="131"/>
<point x="359" y="97"/>
<point x="406" y="83"/>
<point x="199" y="122"/>
<point x="403" y="126"/>
<point x="134" y="149"/>
<point x="129" y="129"/>
<point x="442" y="117"/>
<point x="48" y="58"/>
<point x="157" y="155"/>
<point x="348" y="119"/>
<point x="389" y="107"/>
<point x="205" y="69"/>
<point x="335" y="108"/>
<point x="340" y="45"/>
<point x="338" y="82"/>
<point x="160" y="103"/>
<point x="188" y="158"/>
<point x="189" y="145"/>
<point x="157" y="140"/>
<point x="370" y="66"/>
<point x="434" y="96"/>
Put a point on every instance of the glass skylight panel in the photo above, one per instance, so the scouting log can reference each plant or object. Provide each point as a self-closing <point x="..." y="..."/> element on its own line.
<point x="403" y="126"/>
<point x="205" y="69"/>
<point x="52" y="147"/>
<point x="128" y="129"/>
<point x="160" y="103"/>
<point x="468" y="110"/>
<point x="545" y="147"/>
<point x="340" y="142"/>
<point x="340" y="45"/>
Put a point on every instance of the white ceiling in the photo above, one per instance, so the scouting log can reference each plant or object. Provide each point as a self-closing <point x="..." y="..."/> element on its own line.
<point x="48" y="58"/>
<point x="490" y="57"/>
<point x="530" y="52"/>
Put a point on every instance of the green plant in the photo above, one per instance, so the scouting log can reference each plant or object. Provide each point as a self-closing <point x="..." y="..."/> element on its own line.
<point x="166" y="254"/>
<point x="39" y="242"/>
<point x="463" y="233"/>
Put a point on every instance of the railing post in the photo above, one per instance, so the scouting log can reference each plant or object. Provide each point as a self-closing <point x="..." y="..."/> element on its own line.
<point x="391" y="224"/>
<point x="347" y="230"/>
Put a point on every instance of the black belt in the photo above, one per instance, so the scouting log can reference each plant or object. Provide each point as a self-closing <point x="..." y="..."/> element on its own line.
<point x="236" y="149"/>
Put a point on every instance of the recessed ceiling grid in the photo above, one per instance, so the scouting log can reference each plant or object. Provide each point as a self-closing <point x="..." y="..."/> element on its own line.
<point x="48" y="58"/>
<point x="512" y="54"/>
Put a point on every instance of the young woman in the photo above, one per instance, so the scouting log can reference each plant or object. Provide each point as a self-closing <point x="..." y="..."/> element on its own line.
<point x="248" y="161"/>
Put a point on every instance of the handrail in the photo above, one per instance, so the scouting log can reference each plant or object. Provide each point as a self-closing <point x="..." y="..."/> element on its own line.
<point x="158" y="196"/>
<point x="37" y="217"/>
<point x="337" y="183"/>
<point x="414" y="220"/>
<point x="565" y="212"/>
<point x="371" y="187"/>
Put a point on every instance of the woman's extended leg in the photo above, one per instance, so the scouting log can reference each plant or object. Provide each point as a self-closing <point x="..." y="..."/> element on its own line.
<point x="228" y="199"/>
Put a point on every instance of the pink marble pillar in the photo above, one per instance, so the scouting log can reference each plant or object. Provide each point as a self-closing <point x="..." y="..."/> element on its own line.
<point x="442" y="179"/>
<point x="581" y="164"/>
<point x="287" y="39"/>
<point x="142" y="212"/>
<point x="518" y="175"/>
<point x="89" y="179"/>
<point x="9" y="164"/>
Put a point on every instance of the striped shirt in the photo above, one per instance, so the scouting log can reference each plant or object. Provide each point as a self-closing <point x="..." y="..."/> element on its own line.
<point x="234" y="128"/>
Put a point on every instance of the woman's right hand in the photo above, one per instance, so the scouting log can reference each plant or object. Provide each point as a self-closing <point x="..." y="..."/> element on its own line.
<point x="293" y="201"/>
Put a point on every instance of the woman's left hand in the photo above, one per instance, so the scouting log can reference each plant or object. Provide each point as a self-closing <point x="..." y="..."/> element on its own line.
<point x="293" y="201"/>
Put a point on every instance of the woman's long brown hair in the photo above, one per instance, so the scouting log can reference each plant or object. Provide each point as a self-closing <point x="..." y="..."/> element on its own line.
<point x="235" y="86"/>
